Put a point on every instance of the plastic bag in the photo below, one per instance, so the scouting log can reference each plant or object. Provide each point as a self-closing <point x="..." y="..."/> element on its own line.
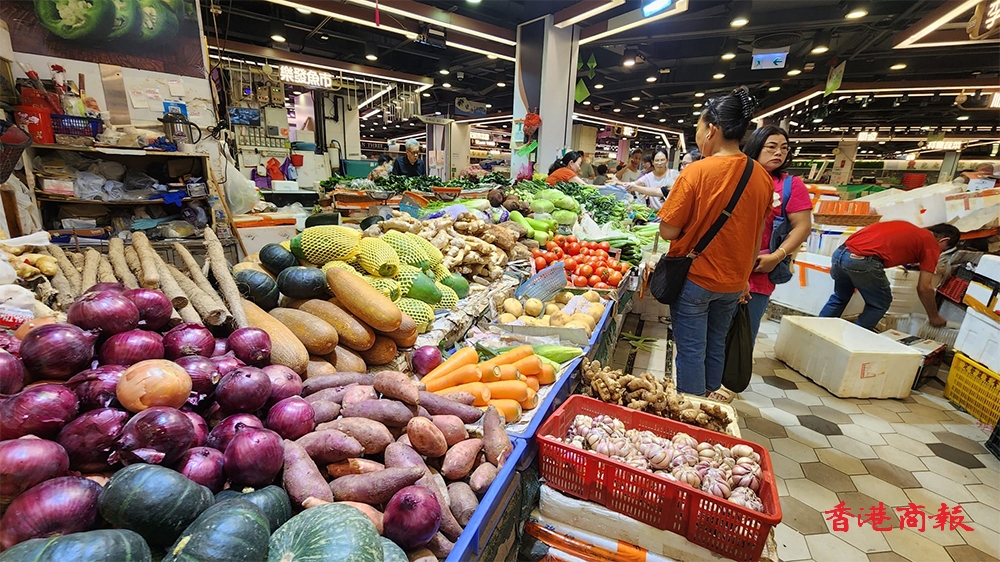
<point x="137" y="180"/>
<point x="113" y="190"/>
<point x="739" y="352"/>
<point x="88" y="186"/>
<point x="241" y="195"/>
<point x="176" y="229"/>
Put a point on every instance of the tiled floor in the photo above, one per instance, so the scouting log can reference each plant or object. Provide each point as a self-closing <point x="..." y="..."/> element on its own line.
<point x="826" y="450"/>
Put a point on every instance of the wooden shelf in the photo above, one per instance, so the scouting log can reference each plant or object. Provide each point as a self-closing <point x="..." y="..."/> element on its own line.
<point x="41" y="196"/>
<point x="117" y="151"/>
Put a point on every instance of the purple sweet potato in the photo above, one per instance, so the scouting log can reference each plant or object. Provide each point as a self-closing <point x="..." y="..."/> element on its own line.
<point x="358" y="393"/>
<point x="374" y="488"/>
<point x="316" y="384"/>
<point x="330" y="445"/>
<point x="496" y="442"/>
<point x="373" y="436"/>
<point x="439" y="405"/>
<point x="389" y="412"/>
<point x="463" y="502"/>
<point x="452" y="427"/>
<point x="426" y="438"/>
<point x="396" y="385"/>
<point x="324" y="411"/>
<point x="481" y="478"/>
<point x="302" y="478"/>
<point x="334" y="394"/>
<point x="459" y="459"/>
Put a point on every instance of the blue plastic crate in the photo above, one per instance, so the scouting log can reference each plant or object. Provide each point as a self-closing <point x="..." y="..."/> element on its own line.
<point x="558" y="393"/>
<point x="484" y="521"/>
<point x="76" y="126"/>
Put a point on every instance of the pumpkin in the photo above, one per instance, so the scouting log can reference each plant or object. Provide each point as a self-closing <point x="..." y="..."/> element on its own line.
<point x="391" y="552"/>
<point x="302" y="282"/>
<point x="272" y="500"/>
<point x="234" y="530"/>
<point x="331" y="531"/>
<point x="105" y="545"/>
<point x="275" y="258"/>
<point x="154" y="501"/>
<point x="257" y="287"/>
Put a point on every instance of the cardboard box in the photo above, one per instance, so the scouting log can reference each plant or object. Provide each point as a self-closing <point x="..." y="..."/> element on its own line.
<point x="58" y="186"/>
<point x="979" y="339"/>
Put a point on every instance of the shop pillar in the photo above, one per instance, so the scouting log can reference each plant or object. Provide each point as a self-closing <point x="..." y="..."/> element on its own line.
<point x="584" y="138"/>
<point x="459" y="141"/>
<point x="346" y="131"/>
<point x="544" y="83"/>
<point x="949" y="165"/>
<point x="843" y="164"/>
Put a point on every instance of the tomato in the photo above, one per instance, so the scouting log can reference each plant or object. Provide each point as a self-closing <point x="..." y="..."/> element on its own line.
<point x="605" y="246"/>
<point x="570" y="264"/>
<point x="536" y="253"/>
<point x="559" y="239"/>
<point x="590" y="245"/>
<point x="603" y="273"/>
<point x="586" y="270"/>
<point x="571" y="239"/>
<point x="579" y="281"/>
<point x="573" y="248"/>
<point x="602" y="285"/>
<point x="593" y="280"/>
<point x="549" y="257"/>
<point x="614" y="279"/>
<point x="601" y="254"/>
<point x="613" y="264"/>
<point x="540" y="263"/>
<point x="559" y="253"/>
<point x="550" y="245"/>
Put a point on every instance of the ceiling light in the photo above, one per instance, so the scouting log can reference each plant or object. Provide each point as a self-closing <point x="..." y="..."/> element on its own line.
<point x="662" y="120"/>
<point x="444" y="72"/>
<point x="598" y="86"/>
<point x="505" y="126"/>
<point x="821" y="42"/>
<point x="437" y="113"/>
<point x="617" y="110"/>
<point x="699" y="94"/>
<point x="651" y="79"/>
<point x="818" y="120"/>
<point x="277" y="31"/>
<point x="324" y="37"/>
<point x="641" y="115"/>
<point x="636" y="98"/>
<point x="963" y="117"/>
<point x="372" y="57"/>
<point x="305" y="11"/>
<point x="898" y="66"/>
<point x="473" y="1"/>
<point x="774" y="88"/>
<point x="397" y="126"/>
<point x="501" y="84"/>
<point x="629" y="58"/>
<point x="697" y="105"/>
<point x="718" y="76"/>
<point x="794" y="72"/>
<point x="695" y="113"/>
<point x="427" y="94"/>
<point x="489" y="106"/>
<point x="384" y="127"/>
<point x="740" y="13"/>
<point x="856" y="12"/>
<point x="446" y="85"/>
<point x="729" y="49"/>
<point x="371" y="51"/>
<point x="679" y="120"/>
<point x="586" y="102"/>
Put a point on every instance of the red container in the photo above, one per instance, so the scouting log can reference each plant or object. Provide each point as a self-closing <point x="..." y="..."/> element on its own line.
<point x="712" y="522"/>
<point x="37" y="122"/>
<point x="298" y="160"/>
<point x="913" y="181"/>
<point x="954" y="289"/>
<point x="34" y="97"/>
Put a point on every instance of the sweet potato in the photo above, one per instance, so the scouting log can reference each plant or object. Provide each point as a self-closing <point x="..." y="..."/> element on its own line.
<point x="422" y="412"/>
<point x="324" y="411"/>
<point x="421" y="555"/>
<point x="405" y="440"/>
<point x="426" y="438"/>
<point x="358" y="393"/>
<point x="374" y="487"/>
<point x="372" y="513"/>
<point x="459" y="459"/>
<point x="439" y="405"/>
<point x="482" y="477"/>
<point x="396" y="385"/>
<point x="435" y="483"/>
<point x="452" y="427"/>
<point x="389" y="412"/>
<point x="440" y="546"/>
<point x="399" y="455"/>
<point x="466" y="398"/>
<point x="301" y="478"/>
<point x="340" y="378"/>
<point x="463" y="502"/>
<point x="496" y="442"/>
<point x="372" y="435"/>
<point x="330" y="445"/>
<point x="353" y="466"/>
<point x="335" y="394"/>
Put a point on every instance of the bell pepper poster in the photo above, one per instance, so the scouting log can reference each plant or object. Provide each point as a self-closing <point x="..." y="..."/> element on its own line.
<point x="158" y="35"/>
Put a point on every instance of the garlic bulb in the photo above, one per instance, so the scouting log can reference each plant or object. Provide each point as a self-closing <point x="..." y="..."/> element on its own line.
<point x="682" y="438"/>
<point x="747" y="498"/>
<point x="684" y="455"/>
<point x="688" y="475"/>
<point x="741" y="450"/>
<point x="715" y="485"/>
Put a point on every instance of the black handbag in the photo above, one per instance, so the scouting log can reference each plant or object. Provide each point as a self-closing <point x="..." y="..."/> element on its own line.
<point x="739" y="352"/>
<point x="671" y="272"/>
<point x="782" y="272"/>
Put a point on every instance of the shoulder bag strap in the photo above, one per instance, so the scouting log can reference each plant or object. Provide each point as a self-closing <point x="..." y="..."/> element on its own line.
<point x="786" y="194"/>
<point x="721" y="221"/>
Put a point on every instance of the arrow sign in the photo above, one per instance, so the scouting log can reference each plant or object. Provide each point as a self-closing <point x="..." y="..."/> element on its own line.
<point x="769" y="59"/>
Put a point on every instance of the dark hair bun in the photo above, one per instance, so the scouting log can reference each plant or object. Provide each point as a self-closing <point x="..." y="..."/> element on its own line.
<point x="746" y="100"/>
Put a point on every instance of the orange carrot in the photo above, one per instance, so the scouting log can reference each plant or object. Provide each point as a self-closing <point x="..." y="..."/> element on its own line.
<point x="530" y="366"/>
<point x="533" y="383"/>
<point x="547" y="375"/>
<point x="477" y="389"/>
<point x="531" y="402"/>
<point x="507" y="373"/>
<point x="509" y="409"/>
<point x="514" y="390"/>
<point x="461" y="358"/>
<point x="461" y="375"/>
<point x="519" y="352"/>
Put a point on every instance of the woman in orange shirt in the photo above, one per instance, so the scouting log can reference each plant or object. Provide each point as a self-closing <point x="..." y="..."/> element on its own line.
<point x="718" y="276"/>
<point x="566" y="168"/>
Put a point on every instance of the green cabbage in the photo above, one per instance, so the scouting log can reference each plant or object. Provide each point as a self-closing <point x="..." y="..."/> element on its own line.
<point x="564" y="217"/>
<point x="542" y="206"/>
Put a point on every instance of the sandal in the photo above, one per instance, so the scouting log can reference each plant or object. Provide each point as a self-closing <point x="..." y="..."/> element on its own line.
<point x="722" y="395"/>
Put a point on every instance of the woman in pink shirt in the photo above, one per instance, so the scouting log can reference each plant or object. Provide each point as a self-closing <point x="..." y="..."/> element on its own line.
<point x="768" y="145"/>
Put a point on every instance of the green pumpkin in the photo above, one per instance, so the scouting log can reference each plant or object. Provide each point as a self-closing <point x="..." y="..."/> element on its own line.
<point x="391" y="552"/>
<point x="105" y="545"/>
<point x="154" y="501"/>
<point x="257" y="287"/>
<point x="272" y="500"/>
<point x="327" y="532"/>
<point x="234" y="530"/>
<point x="302" y="282"/>
<point x="275" y="258"/>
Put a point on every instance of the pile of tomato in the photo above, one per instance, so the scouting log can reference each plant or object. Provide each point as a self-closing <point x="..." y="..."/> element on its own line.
<point x="587" y="263"/>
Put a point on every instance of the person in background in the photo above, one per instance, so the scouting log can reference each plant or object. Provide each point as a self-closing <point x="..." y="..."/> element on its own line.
<point x="382" y="168"/>
<point x="693" y="155"/>
<point x="656" y="184"/>
<point x="768" y="145"/>
<point x="602" y="175"/>
<point x="984" y="169"/>
<point x="718" y="276"/>
<point x="410" y="164"/>
<point x="566" y="168"/>
<point x="630" y="173"/>
<point x="860" y="264"/>
<point x="586" y="168"/>
<point x="647" y="164"/>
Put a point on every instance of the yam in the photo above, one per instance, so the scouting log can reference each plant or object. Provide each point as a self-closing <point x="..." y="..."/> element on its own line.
<point x="496" y="442"/>
<point x="324" y="411"/>
<point x="398" y="386"/>
<point x="389" y="412"/>
<point x="426" y="438"/>
<point x="286" y="349"/>
<point x="374" y="487"/>
<point x="458" y="461"/>
<point x="372" y="435"/>
<point x="482" y="477"/>
<point x="196" y="273"/>
<point x="353" y="466"/>
<point x="345" y="359"/>
<point x="340" y="378"/>
<point x="317" y="367"/>
<point x="301" y="478"/>
<point x="353" y="333"/>
<point x="452" y="427"/>
<point x="463" y="501"/>
<point x="380" y="353"/>
<point x="227" y="285"/>
<point x="319" y="337"/>
<point x="358" y="393"/>
<point x="439" y="405"/>
<point x="406" y="334"/>
<point x="91" y="258"/>
<point x="150" y="278"/>
<point x="330" y="446"/>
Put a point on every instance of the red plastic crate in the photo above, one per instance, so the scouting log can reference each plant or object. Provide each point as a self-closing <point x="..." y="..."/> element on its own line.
<point x="706" y="520"/>
<point x="954" y="289"/>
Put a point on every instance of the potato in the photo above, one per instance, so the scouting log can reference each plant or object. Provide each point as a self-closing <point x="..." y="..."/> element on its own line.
<point x="458" y="461"/>
<point x="440" y="405"/>
<point x="315" y="384"/>
<point x="391" y="413"/>
<point x="551" y="309"/>
<point x="559" y="319"/>
<point x="324" y="411"/>
<point x="353" y="466"/>
<point x="399" y="455"/>
<point x="513" y="306"/>
<point x="592" y="296"/>
<point x="426" y="438"/>
<point x="482" y="477"/>
<point x="564" y="297"/>
<point x="595" y="310"/>
<point x="528" y="321"/>
<point x="496" y="443"/>
<point x="506" y="318"/>
<point x="533" y="307"/>
<point x="463" y="501"/>
<point x="544" y="320"/>
<point x="358" y="393"/>
<point x="335" y="394"/>
<point x="585" y="318"/>
<point x="374" y="488"/>
<point x="577" y="324"/>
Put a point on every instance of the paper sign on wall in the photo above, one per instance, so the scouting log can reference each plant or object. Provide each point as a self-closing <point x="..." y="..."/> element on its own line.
<point x="138" y="98"/>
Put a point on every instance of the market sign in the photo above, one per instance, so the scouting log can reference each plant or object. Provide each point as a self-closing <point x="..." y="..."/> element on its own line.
<point x="834" y="78"/>
<point x="944" y="145"/>
<point x="770" y="59"/>
<point x="985" y="22"/>
<point x="867" y="136"/>
<point x="305" y="76"/>
<point x="469" y="108"/>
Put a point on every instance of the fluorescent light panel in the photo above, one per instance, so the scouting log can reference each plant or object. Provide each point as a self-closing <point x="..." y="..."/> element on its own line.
<point x="634" y="19"/>
<point x="390" y="9"/>
<point x="959" y="9"/>
<point x="600" y="9"/>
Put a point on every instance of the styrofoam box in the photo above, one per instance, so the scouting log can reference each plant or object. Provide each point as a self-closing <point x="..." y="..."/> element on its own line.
<point x="989" y="267"/>
<point x="979" y="339"/>
<point x="846" y="359"/>
<point x="811" y="297"/>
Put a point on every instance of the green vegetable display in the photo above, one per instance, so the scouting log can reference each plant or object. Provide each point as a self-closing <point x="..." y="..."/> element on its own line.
<point x="157" y="20"/>
<point x="126" y="18"/>
<point x="78" y="20"/>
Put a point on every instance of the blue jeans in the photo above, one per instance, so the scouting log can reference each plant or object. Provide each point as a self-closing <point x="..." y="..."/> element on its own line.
<point x="701" y="320"/>
<point x="867" y="275"/>
<point x="757" y="307"/>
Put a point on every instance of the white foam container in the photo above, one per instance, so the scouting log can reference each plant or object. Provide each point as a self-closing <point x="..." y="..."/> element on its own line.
<point x="979" y="339"/>
<point x="846" y="359"/>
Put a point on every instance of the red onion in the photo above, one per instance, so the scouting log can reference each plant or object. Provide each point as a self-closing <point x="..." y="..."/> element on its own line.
<point x="425" y="359"/>
<point x="226" y="363"/>
<point x="251" y="346"/>
<point x="115" y="288"/>
<point x="107" y="311"/>
<point x="244" y="390"/>
<point x="412" y="517"/>
<point x="12" y="373"/>
<point x="55" y="507"/>
<point x="254" y="457"/>
<point x="221" y="347"/>
<point x="284" y="383"/>
<point x="131" y="347"/>
<point x="204" y="466"/>
<point x="200" y="428"/>
<point x="188" y="339"/>
<point x="28" y="461"/>
<point x="224" y="431"/>
<point x="291" y="418"/>
<point x="41" y="411"/>
<point x="10" y="343"/>
<point x="204" y="373"/>
<point x="96" y="388"/>
<point x="154" y="307"/>
<point x="91" y="439"/>
<point x="57" y="351"/>
<point x="157" y="435"/>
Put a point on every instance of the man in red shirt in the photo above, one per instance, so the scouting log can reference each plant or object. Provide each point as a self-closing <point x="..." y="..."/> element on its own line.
<point x="861" y="261"/>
